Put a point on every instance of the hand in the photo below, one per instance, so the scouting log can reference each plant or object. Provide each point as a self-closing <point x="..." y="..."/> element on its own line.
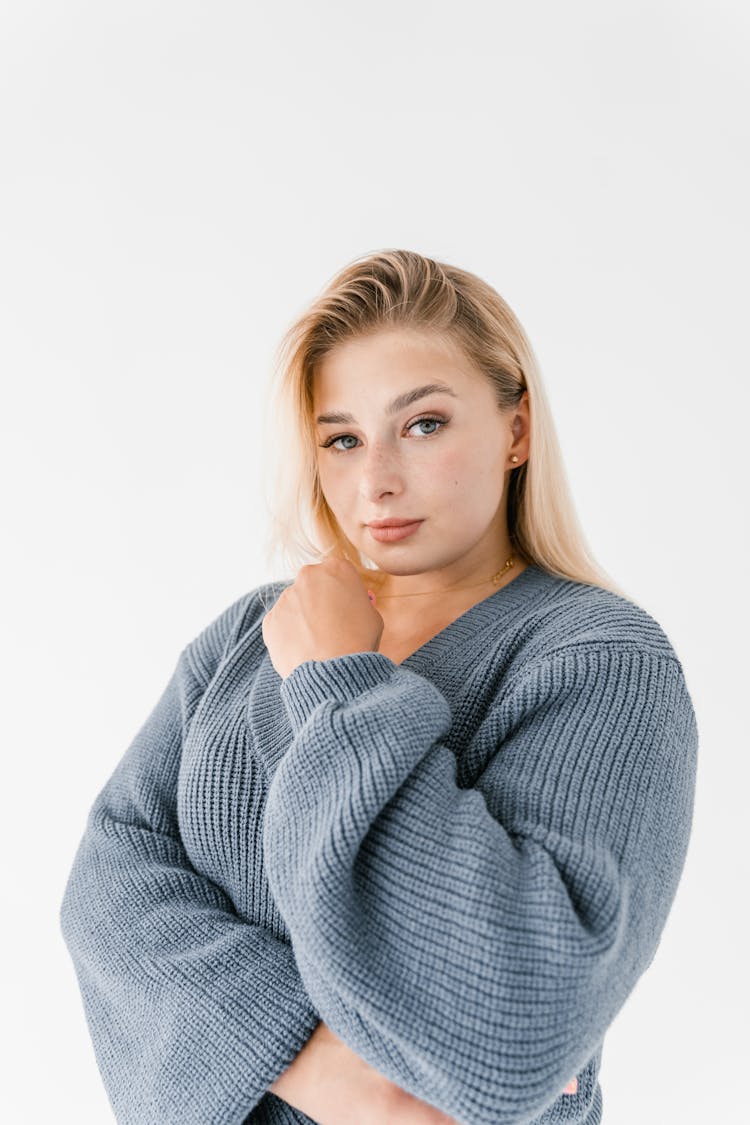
<point x="387" y="1104"/>
<point x="406" y="1109"/>
<point x="332" y="1085"/>
<point x="326" y="612"/>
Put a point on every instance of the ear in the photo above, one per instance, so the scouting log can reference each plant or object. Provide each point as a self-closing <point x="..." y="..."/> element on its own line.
<point x="520" y="423"/>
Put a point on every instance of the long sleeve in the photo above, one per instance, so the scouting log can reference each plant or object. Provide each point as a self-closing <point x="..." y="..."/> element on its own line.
<point x="473" y="943"/>
<point x="192" y="1011"/>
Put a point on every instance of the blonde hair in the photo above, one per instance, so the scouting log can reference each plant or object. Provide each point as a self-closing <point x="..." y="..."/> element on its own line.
<point x="403" y="289"/>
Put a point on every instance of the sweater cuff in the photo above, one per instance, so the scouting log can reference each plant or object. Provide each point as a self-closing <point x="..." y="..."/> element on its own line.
<point x="340" y="679"/>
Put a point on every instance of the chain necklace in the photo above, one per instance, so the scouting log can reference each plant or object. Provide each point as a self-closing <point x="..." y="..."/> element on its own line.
<point x="494" y="579"/>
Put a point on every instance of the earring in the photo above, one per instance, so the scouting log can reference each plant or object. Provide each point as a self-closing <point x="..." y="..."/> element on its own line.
<point x="514" y="458"/>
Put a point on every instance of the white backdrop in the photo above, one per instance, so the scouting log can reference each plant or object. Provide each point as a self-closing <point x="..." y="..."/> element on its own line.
<point x="178" y="180"/>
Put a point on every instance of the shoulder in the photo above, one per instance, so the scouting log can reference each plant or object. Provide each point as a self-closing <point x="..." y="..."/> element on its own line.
<point x="567" y="615"/>
<point x="585" y="643"/>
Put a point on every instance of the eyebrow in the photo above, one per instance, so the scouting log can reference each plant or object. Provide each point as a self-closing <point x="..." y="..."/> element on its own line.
<point x="398" y="404"/>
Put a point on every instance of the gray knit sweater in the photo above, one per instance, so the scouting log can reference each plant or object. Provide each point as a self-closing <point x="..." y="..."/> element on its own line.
<point x="462" y="864"/>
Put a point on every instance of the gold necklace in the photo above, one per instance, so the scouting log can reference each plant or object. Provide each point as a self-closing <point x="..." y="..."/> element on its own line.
<point x="494" y="579"/>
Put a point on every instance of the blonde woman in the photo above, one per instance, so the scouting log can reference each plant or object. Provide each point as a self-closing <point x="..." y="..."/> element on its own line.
<point x="404" y="829"/>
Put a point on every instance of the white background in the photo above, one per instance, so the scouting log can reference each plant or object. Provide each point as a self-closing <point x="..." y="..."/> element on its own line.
<point x="178" y="181"/>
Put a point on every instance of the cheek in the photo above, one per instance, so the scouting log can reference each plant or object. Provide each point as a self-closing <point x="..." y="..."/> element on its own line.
<point x="484" y="463"/>
<point x="455" y="471"/>
<point x="470" y="481"/>
<point x="327" y="483"/>
<point x="337" y="487"/>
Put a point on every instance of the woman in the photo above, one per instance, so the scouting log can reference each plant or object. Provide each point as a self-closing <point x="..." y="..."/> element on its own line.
<point x="403" y="832"/>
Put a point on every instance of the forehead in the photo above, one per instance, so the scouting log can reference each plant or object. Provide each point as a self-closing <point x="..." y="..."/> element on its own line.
<point x="391" y="358"/>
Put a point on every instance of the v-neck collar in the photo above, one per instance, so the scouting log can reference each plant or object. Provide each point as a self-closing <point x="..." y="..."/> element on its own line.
<point x="267" y="718"/>
<point x="489" y="610"/>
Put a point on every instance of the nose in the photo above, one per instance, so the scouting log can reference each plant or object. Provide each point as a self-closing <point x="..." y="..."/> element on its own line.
<point x="381" y="473"/>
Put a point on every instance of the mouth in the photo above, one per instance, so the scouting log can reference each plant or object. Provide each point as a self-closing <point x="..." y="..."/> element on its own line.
<point x="391" y="532"/>
<point x="392" y="523"/>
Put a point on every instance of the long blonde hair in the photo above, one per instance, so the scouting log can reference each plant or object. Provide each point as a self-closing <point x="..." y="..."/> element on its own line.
<point x="400" y="288"/>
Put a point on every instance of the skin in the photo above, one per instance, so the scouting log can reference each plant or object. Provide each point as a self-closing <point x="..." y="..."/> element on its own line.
<point x="454" y="477"/>
<point x="333" y="1086"/>
<point x="325" y="613"/>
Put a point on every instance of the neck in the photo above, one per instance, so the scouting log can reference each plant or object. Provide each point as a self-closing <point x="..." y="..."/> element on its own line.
<point x="416" y="592"/>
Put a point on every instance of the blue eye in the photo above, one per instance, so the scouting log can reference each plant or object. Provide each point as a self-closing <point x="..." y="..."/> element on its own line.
<point x="441" y="422"/>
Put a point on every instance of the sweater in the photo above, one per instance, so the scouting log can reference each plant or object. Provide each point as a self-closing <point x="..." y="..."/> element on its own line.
<point x="462" y="863"/>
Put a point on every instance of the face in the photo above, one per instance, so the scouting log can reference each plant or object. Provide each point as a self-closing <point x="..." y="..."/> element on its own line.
<point x="442" y="458"/>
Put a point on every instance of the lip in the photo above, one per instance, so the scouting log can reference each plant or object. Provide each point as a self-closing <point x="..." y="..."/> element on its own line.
<point x="390" y="532"/>
<point x="391" y="523"/>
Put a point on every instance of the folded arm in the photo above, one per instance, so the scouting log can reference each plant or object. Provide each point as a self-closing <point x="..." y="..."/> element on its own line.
<point x="192" y="1010"/>
<point x="473" y="944"/>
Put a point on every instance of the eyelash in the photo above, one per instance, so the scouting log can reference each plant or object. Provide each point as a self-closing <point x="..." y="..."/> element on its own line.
<point x="426" y="418"/>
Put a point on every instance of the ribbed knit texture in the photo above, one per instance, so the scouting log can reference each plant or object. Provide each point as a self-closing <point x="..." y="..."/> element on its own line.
<point x="462" y="864"/>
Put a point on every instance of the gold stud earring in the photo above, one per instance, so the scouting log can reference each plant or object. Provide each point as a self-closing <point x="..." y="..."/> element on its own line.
<point x="514" y="458"/>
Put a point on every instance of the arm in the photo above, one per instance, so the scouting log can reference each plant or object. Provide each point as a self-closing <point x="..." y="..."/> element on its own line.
<point x="332" y="1085"/>
<point x="474" y="943"/>
<point x="192" y="1011"/>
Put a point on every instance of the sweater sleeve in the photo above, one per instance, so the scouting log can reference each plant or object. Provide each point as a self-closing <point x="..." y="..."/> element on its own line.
<point x="192" y="1011"/>
<point x="473" y="943"/>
